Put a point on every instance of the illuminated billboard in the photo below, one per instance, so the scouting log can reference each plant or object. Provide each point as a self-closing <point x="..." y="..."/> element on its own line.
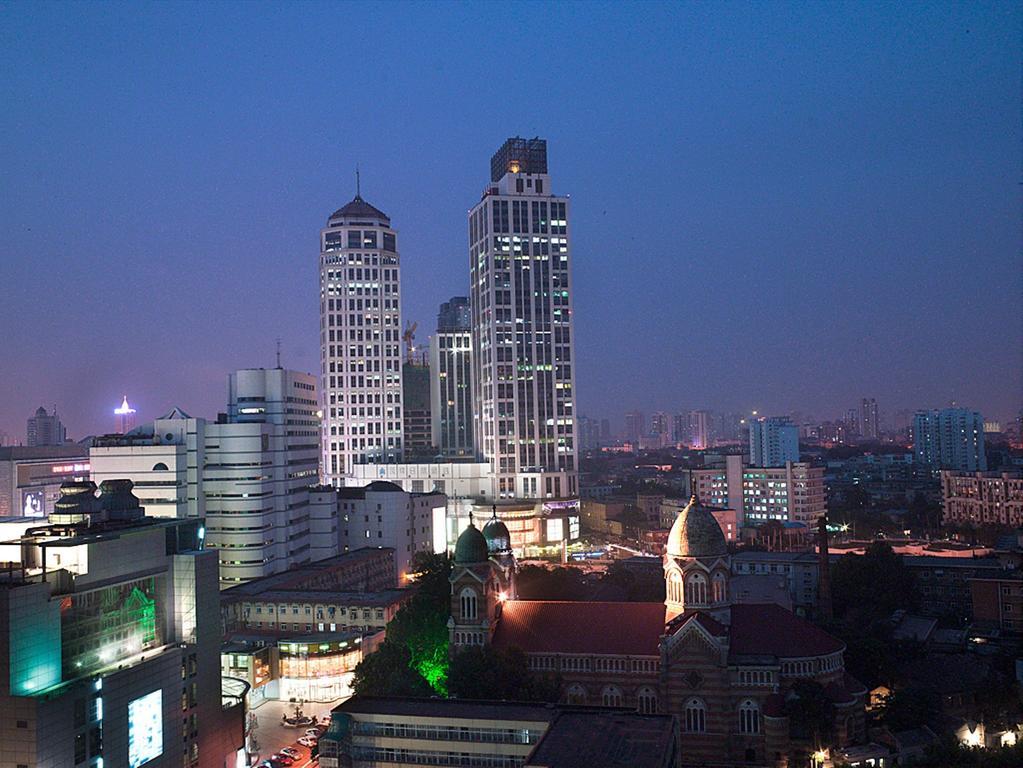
<point x="33" y="504"/>
<point x="145" y="729"/>
<point x="555" y="529"/>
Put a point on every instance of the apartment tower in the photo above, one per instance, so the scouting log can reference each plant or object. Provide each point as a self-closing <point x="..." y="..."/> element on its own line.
<point x="360" y="340"/>
<point x="521" y="314"/>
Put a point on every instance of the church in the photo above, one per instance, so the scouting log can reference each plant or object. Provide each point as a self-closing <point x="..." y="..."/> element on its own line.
<point x="726" y="669"/>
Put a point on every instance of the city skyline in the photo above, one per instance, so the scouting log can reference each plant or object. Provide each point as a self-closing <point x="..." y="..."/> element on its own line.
<point x="734" y="299"/>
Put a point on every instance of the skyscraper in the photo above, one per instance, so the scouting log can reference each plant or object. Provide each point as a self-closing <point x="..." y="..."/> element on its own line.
<point x="773" y="441"/>
<point x="45" y="429"/>
<point x="360" y="340"/>
<point x="635" y="425"/>
<point x="124" y="417"/>
<point x="521" y="304"/>
<point x="952" y="438"/>
<point x="451" y="379"/>
<point x="698" y="437"/>
<point x="869" y="424"/>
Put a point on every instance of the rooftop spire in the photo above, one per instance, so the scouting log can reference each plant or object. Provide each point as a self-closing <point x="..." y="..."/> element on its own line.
<point x="358" y="184"/>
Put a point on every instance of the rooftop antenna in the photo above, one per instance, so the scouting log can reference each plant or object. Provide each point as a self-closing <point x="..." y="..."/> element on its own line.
<point x="278" y="352"/>
<point x="358" y="183"/>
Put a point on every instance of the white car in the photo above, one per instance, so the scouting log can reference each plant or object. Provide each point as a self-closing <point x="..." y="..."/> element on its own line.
<point x="291" y="752"/>
<point x="314" y="732"/>
<point x="308" y="741"/>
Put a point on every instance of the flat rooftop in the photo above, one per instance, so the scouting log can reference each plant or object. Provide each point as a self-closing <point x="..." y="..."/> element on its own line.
<point x="381" y="598"/>
<point x="453" y="708"/>
<point x="286" y="578"/>
<point x="606" y="739"/>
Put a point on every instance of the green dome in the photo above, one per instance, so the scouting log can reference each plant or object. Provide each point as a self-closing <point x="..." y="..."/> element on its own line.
<point x="471" y="547"/>
<point x="497" y="536"/>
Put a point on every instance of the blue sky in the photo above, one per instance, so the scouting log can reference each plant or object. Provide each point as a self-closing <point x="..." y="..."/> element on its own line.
<point x="776" y="206"/>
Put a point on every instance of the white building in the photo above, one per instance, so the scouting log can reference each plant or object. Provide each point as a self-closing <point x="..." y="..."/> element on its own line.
<point x="250" y="476"/>
<point x="112" y="637"/>
<point x="455" y="479"/>
<point x="383" y="515"/>
<point x="451" y="380"/>
<point x="521" y="305"/>
<point x="773" y="441"/>
<point x="360" y="340"/>
<point x="793" y="493"/>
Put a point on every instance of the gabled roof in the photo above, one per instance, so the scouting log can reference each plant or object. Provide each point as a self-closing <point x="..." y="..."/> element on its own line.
<point x="770" y="629"/>
<point x="548" y="626"/>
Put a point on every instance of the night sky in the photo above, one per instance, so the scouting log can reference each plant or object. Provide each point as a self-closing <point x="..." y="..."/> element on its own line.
<point x="783" y="207"/>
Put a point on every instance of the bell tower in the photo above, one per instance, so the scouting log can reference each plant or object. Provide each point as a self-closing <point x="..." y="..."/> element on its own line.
<point x="696" y="565"/>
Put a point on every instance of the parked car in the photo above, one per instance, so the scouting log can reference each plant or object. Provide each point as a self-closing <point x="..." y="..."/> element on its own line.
<point x="308" y="741"/>
<point x="283" y="759"/>
<point x="314" y="732"/>
<point x="291" y="752"/>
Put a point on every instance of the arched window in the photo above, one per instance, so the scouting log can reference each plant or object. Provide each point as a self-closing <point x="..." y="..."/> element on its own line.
<point x="696" y="589"/>
<point x="696" y="716"/>
<point x="749" y="717"/>
<point x="720" y="587"/>
<point x="646" y="700"/>
<point x="575" y="694"/>
<point x="611" y="696"/>
<point x="468" y="603"/>
<point x="159" y="467"/>
<point x="674" y="586"/>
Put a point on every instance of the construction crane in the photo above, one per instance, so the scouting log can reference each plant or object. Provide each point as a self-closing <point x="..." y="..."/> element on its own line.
<point x="408" y="337"/>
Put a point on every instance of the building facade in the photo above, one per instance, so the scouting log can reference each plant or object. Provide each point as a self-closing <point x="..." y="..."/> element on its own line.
<point x="724" y="668"/>
<point x="249" y="475"/>
<point x="981" y="498"/>
<point x="870" y="426"/>
<point x="773" y="441"/>
<point x="30" y="478"/>
<point x="112" y="641"/>
<point x="794" y="492"/>
<point x="521" y="304"/>
<point x="451" y="380"/>
<point x="45" y="429"/>
<point x="952" y="438"/>
<point x="124" y="417"/>
<point x="360" y="340"/>
<point x="417" y="421"/>
<point x="381" y="514"/>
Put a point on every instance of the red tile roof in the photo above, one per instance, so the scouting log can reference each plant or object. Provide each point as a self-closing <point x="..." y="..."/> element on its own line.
<point x="548" y="626"/>
<point x="769" y="629"/>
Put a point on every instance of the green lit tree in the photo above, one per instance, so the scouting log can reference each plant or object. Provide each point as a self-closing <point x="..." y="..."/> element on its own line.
<point x="490" y="673"/>
<point x="388" y="672"/>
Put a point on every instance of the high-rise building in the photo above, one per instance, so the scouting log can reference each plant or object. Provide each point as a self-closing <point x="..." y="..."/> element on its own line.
<point x="112" y="629"/>
<point x="248" y="475"/>
<point x="124" y="417"/>
<point x="773" y="441"/>
<point x="952" y="438"/>
<point x="45" y="429"/>
<point x="417" y="423"/>
<point x="360" y="340"/>
<point x="521" y="304"/>
<point x="870" y="427"/>
<point x="589" y="433"/>
<point x="794" y="492"/>
<point x="698" y="430"/>
<point x="635" y="426"/>
<point x="451" y="380"/>
<point x="660" y="424"/>
<point x="980" y="498"/>
<point x="852" y="423"/>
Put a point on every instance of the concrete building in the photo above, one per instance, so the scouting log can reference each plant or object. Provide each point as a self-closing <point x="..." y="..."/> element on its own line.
<point x="699" y="433"/>
<point x="111" y="642"/>
<point x="367" y="731"/>
<point x="635" y="426"/>
<point x="870" y="427"/>
<point x="30" y="478"/>
<point x="451" y="380"/>
<point x="417" y="420"/>
<point x="45" y="429"/>
<point x="981" y="498"/>
<point x="381" y="514"/>
<point x="998" y="603"/>
<point x="360" y="340"/>
<point x="794" y="492"/>
<point x="952" y="438"/>
<point x="773" y="441"/>
<point x="249" y="475"/>
<point x="521" y="303"/>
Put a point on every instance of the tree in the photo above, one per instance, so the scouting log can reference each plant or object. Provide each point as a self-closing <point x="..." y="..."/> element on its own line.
<point x="911" y="707"/>
<point x="537" y="583"/>
<point x="637" y="587"/>
<point x="490" y="673"/>
<point x="388" y="672"/>
<point x="870" y="587"/>
<point x="811" y="713"/>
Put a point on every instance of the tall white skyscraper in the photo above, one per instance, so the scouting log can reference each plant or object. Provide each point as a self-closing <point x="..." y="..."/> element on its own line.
<point x="360" y="340"/>
<point x="521" y="309"/>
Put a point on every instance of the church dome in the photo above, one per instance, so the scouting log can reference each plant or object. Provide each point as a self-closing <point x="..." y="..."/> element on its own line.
<point x="497" y="536"/>
<point x="471" y="547"/>
<point x="696" y="533"/>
